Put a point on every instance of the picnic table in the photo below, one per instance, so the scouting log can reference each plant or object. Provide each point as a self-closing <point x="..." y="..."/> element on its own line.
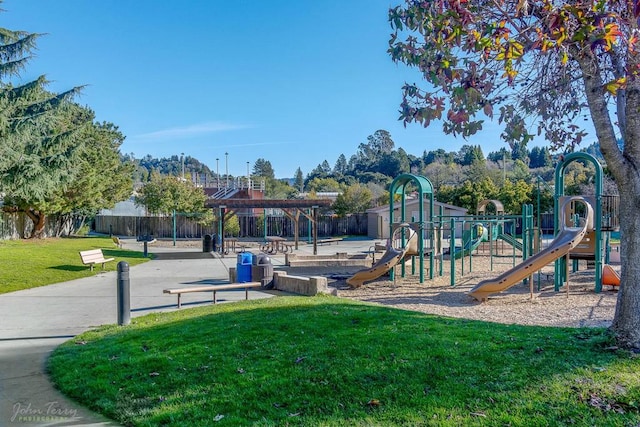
<point x="275" y="244"/>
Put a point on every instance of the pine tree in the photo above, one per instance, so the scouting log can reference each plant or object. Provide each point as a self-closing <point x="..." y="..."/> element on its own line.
<point x="298" y="180"/>
<point x="39" y="131"/>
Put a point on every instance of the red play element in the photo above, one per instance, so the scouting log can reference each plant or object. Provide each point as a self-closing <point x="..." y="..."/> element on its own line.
<point x="610" y="276"/>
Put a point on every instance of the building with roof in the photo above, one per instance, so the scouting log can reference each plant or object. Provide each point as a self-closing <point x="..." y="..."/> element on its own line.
<point x="378" y="218"/>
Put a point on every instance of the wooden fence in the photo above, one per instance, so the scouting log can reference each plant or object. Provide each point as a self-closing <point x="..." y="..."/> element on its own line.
<point x="15" y="225"/>
<point x="19" y="226"/>
<point x="251" y="226"/>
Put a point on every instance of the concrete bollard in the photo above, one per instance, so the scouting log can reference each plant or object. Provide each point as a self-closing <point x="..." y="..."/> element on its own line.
<point x="124" y="294"/>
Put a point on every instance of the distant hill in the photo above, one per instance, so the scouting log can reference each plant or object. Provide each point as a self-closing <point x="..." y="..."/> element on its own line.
<point x="169" y="166"/>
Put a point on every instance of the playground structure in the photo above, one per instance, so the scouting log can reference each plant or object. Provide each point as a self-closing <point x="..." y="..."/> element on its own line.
<point x="582" y="232"/>
<point x="409" y="239"/>
<point x="413" y="242"/>
<point x="481" y="235"/>
<point x="471" y="240"/>
<point x="595" y="246"/>
<point x="396" y="252"/>
<point x="499" y="231"/>
<point x="565" y="241"/>
<point x="580" y="235"/>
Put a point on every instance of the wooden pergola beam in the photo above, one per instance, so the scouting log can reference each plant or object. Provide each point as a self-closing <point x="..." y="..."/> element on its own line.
<point x="291" y="208"/>
<point x="268" y="203"/>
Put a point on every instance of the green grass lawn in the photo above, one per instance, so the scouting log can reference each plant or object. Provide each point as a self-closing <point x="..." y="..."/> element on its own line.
<point x="325" y="361"/>
<point x="38" y="262"/>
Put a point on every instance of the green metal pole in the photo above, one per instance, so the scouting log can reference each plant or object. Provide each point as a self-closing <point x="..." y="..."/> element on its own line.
<point x="539" y="218"/>
<point x="464" y="224"/>
<point x="452" y="248"/>
<point x="491" y="225"/>
<point x="221" y="228"/>
<point x="525" y="240"/>
<point x="315" y="230"/>
<point x="439" y="240"/>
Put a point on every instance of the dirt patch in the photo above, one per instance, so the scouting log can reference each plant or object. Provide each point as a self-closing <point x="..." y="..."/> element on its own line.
<point x="580" y="306"/>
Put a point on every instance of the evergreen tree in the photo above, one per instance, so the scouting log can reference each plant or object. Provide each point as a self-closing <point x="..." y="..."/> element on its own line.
<point x="499" y="156"/>
<point x="340" y="167"/>
<point x="469" y="154"/>
<point x="40" y="146"/>
<point x="102" y="170"/>
<point x="438" y="155"/>
<point x="262" y="168"/>
<point x="539" y="157"/>
<point x="378" y="145"/>
<point x="325" y="168"/>
<point x="298" y="180"/>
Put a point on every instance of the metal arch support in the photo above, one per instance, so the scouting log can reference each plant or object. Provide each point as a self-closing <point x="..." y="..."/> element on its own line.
<point x="482" y="206"/>
<point x="559" y="192"/>
<point x="398" y="187"/>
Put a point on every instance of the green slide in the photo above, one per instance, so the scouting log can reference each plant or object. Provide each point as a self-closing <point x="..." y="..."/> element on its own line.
<point x="511" y="240"/>
<point x="471" y="239"/>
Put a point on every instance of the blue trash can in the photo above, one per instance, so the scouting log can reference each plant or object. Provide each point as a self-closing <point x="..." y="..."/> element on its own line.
<point x="243" y="267"/>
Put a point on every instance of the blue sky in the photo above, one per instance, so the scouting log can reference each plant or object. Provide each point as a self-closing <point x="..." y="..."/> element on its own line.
<point x="291" y="82"/>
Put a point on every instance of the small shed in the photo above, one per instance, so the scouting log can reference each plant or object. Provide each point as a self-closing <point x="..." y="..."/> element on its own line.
<point x="378" y="218"/>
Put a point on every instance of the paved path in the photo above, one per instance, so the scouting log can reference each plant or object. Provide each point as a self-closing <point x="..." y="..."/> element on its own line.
<point x="35" y="321"/>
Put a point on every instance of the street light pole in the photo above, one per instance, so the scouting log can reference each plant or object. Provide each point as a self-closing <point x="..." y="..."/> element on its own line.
<point x="217" y="175"/>
<point x="504" y="168"/>
<point x="182" y="161"/>
<point x="226" y="173"/>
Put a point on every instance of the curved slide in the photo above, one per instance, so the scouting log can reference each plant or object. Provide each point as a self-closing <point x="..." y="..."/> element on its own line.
<point x="389" y="259"/>
<point x="567" y="239"/>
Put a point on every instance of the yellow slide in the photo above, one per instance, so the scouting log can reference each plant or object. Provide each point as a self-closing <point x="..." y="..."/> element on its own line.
<point x="389" y="259"/>
<point x="566" y="240"/>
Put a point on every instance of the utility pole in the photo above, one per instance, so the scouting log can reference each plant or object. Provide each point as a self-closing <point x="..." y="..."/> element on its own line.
<point x="248" y="181"/>
<point x="182" y="161"/>
<point x="226" y="173"/>
<point x="217" y="175"/>
<point x="504" y="168"/>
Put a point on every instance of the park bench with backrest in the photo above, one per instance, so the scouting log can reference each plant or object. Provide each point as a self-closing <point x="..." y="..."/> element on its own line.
<point x="93" y="257"/>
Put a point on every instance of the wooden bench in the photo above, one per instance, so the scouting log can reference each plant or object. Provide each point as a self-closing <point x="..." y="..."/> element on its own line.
<point x="214" y="289"/>
<point x="93" y="257"/>
<point x="325" y="241"/>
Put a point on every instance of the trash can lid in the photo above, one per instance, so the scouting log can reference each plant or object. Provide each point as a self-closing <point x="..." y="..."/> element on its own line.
<point x="245" y="258"/>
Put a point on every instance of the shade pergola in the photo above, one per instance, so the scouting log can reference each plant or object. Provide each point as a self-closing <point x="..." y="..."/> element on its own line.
<point x="292" y="208"/>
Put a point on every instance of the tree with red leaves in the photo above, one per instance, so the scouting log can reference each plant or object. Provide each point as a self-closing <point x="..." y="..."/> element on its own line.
<point x="537" y="67"/>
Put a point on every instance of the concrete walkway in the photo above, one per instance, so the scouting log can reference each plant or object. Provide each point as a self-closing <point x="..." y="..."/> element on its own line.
<point x="36" y="321"/>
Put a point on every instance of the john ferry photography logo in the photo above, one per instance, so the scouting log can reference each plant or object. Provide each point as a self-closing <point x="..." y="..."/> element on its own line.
<point x="47" y="413"/>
